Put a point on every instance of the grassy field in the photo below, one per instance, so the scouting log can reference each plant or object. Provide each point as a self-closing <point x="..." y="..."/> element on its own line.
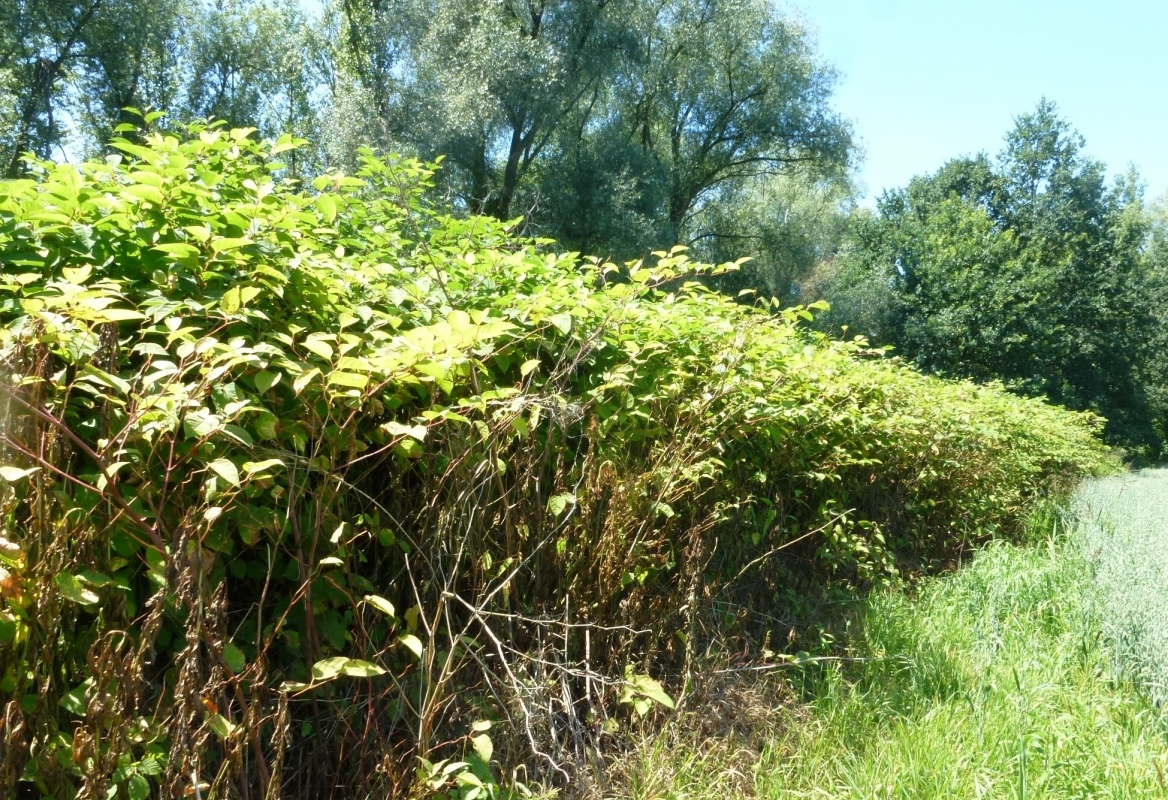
<point x="1124" y="526"/>
<point x="1006" y="679"/>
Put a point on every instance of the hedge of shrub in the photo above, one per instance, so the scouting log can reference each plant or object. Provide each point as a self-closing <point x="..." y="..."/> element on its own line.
<point x="328" y="491"/>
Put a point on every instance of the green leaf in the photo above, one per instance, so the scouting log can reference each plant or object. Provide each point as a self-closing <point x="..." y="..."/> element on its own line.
<point x="318" y="346"/>
<point x="142" y="191"/>
<point x="221" y="726"/>
<point x="94" y="579"/>
<point x="14" y="474"/>
<point x="226" y="470"/>
<point x="265" y="380"/>
<point x="326" y="204"/>
<point x="137" y="787"/>
<point x="413" y="643"/>
<point x="74" y="701"/>
<point x="230" y="302"/>
<point x="381" y="604"/>
<point x="356" y="668"/>
<point x="118" y="315"/>
<point x="557" y="503"/>
<point x="350" y="379"/>
<point x="227" y="243"/>
<point x="483" y="746"/>
<point x="563" y="322"/>
<point x="234" y="658"/>
<point x="100" y="376"/>
<point x="74" y="591"/>
<point x="651" y="689"/>
<point x="178" y="249"/>
<point x="252" y="468"/>
<point x="397" y="429"/>
<point x="330" y="668"/>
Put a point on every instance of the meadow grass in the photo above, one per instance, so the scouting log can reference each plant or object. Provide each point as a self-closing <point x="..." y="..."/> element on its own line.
<point x="998" y="680"/>
<point x="1123" y="522"/>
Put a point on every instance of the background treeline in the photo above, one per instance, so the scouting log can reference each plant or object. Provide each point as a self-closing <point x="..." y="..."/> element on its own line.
<point x="613" y="126"/>
<point x="1029" y="268"/>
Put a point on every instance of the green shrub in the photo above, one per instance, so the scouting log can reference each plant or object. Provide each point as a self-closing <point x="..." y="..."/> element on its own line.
<point x="328" y="490"/>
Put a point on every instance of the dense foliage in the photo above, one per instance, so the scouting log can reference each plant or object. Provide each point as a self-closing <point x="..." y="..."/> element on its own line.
<point x="1028" y="269"/>
<point x="312" y="490"/>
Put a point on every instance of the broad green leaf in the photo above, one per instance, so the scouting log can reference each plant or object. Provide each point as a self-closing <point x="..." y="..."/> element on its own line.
<point x="651" y="689"/>
<point x="118" y="315"/>
<point x="14" y="474"/>
<point x="318" y="346"/>
<point x="357" y="668"/>
<point x="413" y="643"/>
<point x="226" y="470"/>
<point x="330" y="668"/>
<point x="252" y="468"/>
<point x="230" y="302"/>
<point x="94" y="578"/>
<point x="74" y="591"/>
<point x="326" y="204"/>
<point x="234" y="658"/>
<point x="381" y="604"/>
<point x="397" y="429"/>
<point x="562" y="321"/>
<point x="558" y="502"/>
<point x="178" y="249"/>
<point x="221" y="726"/>
<point x="224" y="244"/>
<point x="103" y="378"/>
<point x="483" y="746"/>
<point x="137" y="787"/>
<point x="265" y="380"/>
<point x="141" y="191"/>
<point x="350" y="379"/>
<point x="74" y="701"/>
<point x="304" y="379"/>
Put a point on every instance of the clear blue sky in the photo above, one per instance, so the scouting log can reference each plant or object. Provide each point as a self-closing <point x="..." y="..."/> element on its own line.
<point x="925" y="81"/>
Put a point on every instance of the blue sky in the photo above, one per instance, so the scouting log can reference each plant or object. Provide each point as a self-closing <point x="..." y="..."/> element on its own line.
<point x="924" y="82"/>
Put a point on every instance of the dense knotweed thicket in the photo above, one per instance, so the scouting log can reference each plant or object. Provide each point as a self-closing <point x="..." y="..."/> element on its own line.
<point x="321" y="491"/>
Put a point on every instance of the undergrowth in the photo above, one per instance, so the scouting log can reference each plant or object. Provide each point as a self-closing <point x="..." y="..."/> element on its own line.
<point x="997" y="680"/>
<point x="322" y="491"/>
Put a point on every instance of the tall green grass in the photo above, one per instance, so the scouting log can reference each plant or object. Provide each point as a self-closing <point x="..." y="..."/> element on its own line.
<point x="1124" y="524"/>
<point x="993" y="681"/>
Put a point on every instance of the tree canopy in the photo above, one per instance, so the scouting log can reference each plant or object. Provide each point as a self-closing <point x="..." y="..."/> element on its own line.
<point x="615" y="126"/>
<point x="1027" y="268"/>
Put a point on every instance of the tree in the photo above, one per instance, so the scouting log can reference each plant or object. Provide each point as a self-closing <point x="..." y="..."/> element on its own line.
<point x="486" y="84"/>
<point x="132" y="58"/>
<point x="39" y="41"/>
<point x="786" y="224"/>
<point x="609" y="124"/>
<point x="1027" y="270"/>
<point x="724" y="91"/>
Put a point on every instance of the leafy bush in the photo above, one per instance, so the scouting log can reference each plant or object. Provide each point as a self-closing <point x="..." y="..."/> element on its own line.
<point x="330" y="491"/>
